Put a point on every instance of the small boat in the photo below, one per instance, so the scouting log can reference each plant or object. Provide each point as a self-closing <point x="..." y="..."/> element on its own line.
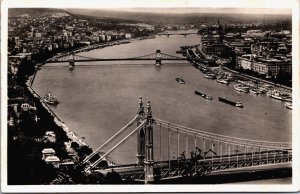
<point x="49" y="99"/>
<point x="180" y="80"/>
<point x="288" y="105"/>
<point x="203" y="95"/>
<point x="287" y="98"/>
<point x="254" y="91"/>
<point x="277" y="95"/>
<point x="236" y="104"/>
<point x="241" y="88"/>
<point x="209" y="76"/>
<point x="223" y="81"/>
<point x="262" y="90"/>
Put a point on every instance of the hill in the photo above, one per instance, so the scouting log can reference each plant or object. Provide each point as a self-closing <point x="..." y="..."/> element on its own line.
<point x="19" y="12"/>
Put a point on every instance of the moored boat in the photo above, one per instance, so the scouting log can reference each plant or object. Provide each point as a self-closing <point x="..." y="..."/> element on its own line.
<point x="288" y="99"/>
<point x="49" y="99"/>
<point x="254" y="91"/>
<point x="223" y="81"/>
<point x="209" y="76"/>
<point x="241" y="88"/>
<point x="277" y="95"/>
<point x="236" y="104"/>
<point x="288" y="105"/>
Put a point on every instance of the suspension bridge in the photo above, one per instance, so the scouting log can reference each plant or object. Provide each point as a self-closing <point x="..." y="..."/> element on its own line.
<point x="197" y="152"/>
<point x="158" y="56"/>
<point x="183" y="34"/>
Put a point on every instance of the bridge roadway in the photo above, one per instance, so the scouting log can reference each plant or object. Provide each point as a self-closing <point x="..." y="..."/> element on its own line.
<point x="117" y="59"/>
<point x="158" y="57"/>
<point x="214" y="164"/>
<point x="184" y="34"/>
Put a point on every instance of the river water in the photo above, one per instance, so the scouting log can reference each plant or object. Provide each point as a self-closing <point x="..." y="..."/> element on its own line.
<point x="98" y="100"/>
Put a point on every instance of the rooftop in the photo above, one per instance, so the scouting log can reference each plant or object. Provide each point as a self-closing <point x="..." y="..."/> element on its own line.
<point x="48" y="151"/>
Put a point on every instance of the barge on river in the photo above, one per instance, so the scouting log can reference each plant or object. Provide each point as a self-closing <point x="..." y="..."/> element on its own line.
<point x="236" y="104"/>
<point x="203" y="95"/>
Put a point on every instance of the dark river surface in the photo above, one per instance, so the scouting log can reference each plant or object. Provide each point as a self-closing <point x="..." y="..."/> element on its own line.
<point x="98" y="100"/>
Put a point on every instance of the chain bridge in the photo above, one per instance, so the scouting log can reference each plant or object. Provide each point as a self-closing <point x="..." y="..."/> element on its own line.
<point x="158" y="56"/>
<point x="197" y="152"/>
<point x="183" y="34"/>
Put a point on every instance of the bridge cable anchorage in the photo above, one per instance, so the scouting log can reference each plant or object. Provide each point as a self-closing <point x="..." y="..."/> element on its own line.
<point x="117" y="145"/>
<point x="233" y="139"/>
<point x="110" y="139"/>
<point x="191" y="132"/>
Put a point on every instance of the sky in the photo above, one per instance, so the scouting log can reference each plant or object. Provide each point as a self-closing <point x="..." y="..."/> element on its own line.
<point x="178" y="6"/>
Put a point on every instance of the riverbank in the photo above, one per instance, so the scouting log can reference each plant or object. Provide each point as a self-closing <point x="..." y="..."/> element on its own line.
<point x="257" y="79"/>
<point x="94" y="46"/>
<point x="70" y="134"/>
<point x="241" y="75"/>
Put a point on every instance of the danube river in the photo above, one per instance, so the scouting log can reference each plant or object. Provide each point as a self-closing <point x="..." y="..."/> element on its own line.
<point x="98" y="100"/>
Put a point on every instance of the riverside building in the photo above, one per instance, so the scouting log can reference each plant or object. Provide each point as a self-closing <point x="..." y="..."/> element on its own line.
<point x="269" y="67"/>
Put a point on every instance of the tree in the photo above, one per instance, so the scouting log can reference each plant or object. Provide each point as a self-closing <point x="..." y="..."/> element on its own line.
<point x="187" y="166"/>
<point x="113" y="178"/>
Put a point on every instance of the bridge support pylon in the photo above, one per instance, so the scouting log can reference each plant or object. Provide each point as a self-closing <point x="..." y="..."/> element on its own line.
<point x="141" y="134"/>
<point x="149" y="160"/>
<point x="158" y="57"/>
<point x="71" y="62"/>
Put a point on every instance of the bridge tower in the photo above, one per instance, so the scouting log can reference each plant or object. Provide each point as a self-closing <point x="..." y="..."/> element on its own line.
<point x="141" y="134"/>
<point x="149" y="160"/>
<point x="158" y="57"/>
<point x="71" y="62"/>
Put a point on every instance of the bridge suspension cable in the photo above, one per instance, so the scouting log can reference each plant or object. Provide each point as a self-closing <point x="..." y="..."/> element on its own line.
<point x="224" y="138"/>
<point x="117" y="145"/>
<point x="110" y="139"/>
<point x="80" y="58"/>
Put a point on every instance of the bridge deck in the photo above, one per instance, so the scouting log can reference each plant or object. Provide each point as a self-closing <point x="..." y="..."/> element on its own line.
<point x="173" y="169"/>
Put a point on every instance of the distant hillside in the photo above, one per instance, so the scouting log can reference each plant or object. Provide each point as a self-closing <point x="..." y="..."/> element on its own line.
<point x="19" y="12"/>
<point x="171" y="18"/>
<point x="152" y="18"/>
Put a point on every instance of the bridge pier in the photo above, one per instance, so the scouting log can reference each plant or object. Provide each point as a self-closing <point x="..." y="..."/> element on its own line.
<point x="71" y="62"/>
<point x="149" y="160"/>
<point x="158" y="57"/>
<point x="141" y="134"/>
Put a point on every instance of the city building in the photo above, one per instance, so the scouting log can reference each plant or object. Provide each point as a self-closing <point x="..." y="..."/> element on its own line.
<point x="271" y="67"/>
<point x="47" y="152"/>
